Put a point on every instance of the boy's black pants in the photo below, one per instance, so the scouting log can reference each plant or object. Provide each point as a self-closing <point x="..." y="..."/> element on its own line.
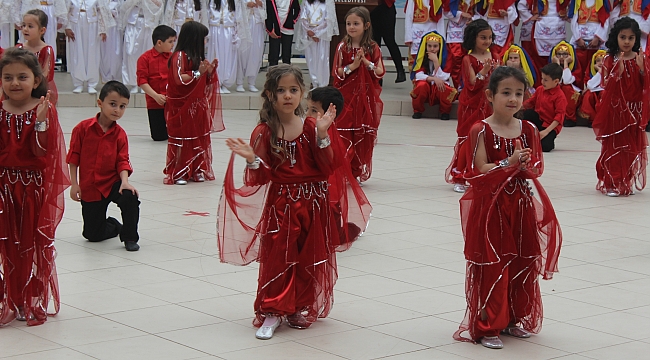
<point x="97" y="227"/>
<point x="157" y="124"/>
<point x="548" y="142"/>
<point x="274" y="49"/>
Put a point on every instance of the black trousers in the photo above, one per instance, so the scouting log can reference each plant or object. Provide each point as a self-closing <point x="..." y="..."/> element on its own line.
<point x="97" y="227"/>
<point x="157" y="124"/>
<point x="274" y="49"/>
<point x="383" y="21"/>
<point x="548" y="142"/>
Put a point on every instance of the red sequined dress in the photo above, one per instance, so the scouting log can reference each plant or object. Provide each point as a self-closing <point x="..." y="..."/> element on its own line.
<point x="193" y="112"/>
<point x="46" y="58"/>
<point x="359" y="120"/>
<point x="620" y="127"/>
<point x="512" y="236"/>
<point x="473" y="106"/>
<point x="33" y="176"/>
<point x="291" y="215"/>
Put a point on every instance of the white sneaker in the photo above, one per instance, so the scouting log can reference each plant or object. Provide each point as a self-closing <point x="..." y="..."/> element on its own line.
<point x="224" y="90"/>
<point x="180" y="182"/>
<point x="134" y="90"/>
<point x="459" y="188"/>
<point x="266" y="332"/>
<point x="78" y="90"/>
<point x="612" y="193"/>
<point x="200" y="178"/>
<point x="92" y="90"/>
<point x="240" y="88"/>
<point x="252" y="88"/>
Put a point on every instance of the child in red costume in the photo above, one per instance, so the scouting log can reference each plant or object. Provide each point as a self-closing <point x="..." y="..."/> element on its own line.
<point x="32" y="181"/>
<point x="299" y="205"/>
<point x="34" y="27"/>
<point x="472" y="103"/>
<point x="593" y="92"/>
<point x="357" y="69"/>
<point x="431" y="77"/>
<point x="512" y="236"/>
<point x="192" y="108"/>
<point x="571" y="84"/>
<point x="623" y="115"/>
<point x="502" y="16"/>
<point x="459" y="13"/>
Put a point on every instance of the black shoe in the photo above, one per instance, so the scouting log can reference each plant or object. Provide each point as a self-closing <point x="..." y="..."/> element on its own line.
<point x="401" y="76"/>
<point x="569" y="123"/>
<point x="131" y="246"/>
<point x="417" y="115"/>
<point x="444" y="116"/>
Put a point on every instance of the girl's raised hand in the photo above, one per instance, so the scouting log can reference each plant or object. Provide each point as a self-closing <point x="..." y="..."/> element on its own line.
<point x="43" y="105"/>
<point x="640" y="60"/>
<point x="241" y="148"/>
<point x="520" y="156"/>
<point x="323" y="122"/>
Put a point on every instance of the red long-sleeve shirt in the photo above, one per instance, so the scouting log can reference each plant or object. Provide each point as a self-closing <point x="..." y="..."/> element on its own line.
<point x="153" y="69"/>
<point x="101" y="157"/>
<point x="550" y="105"/>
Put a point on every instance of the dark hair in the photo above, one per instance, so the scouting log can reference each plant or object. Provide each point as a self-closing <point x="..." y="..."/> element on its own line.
<point x="553" y="70"/>
<point x="313" y="1"/>
<point x="622" y="24"/>
<point x="41" y="16"/>
<point x="326" y="96"/>
<point x="162" y="33"/>
<point x="471" y="32"/>
<point x="366" y="40"/>
<point x="114" y="86"/>
<point x="217" y="4"/>
<point x="504" y="72"/>
<point x="268" y="114"/>
<point x="191" y="40"/>
<point x="27" y="58"/>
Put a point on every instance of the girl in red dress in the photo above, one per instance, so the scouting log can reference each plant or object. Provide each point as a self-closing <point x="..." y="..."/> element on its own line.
<point x="623" y="115"/>
<point x="32" y="181"/>
<point x="512" y="235"/>
<point x="298" y="206"/>
<point x="357" y="69"/>
<point x="34" y="26"/>
<point x="193" y="108"/>
<point x="472" y="103"/>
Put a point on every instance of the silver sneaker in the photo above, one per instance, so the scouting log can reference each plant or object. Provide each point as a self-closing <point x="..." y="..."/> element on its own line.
<point x="459" y="188"/>
<point x="492" y="342"/>
<point x="180" y="182"/>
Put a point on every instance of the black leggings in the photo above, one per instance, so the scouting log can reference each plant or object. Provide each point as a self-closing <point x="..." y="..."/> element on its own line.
<point x="274" y="49"/>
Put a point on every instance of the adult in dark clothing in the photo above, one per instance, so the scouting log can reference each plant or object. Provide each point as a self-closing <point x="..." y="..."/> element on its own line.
<point x="382" y="19"/>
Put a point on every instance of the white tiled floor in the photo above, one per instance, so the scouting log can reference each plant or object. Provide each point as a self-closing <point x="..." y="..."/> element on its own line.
<point x="400" y="292"/>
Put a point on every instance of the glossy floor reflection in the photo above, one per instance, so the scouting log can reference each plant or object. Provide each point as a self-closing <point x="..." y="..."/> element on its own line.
<point x="400" y="294"/>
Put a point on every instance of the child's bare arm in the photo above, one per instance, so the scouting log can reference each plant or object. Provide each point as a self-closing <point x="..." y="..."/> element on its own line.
<point x="75" y="190"/>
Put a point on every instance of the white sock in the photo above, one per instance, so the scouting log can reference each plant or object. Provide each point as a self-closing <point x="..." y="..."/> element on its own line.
<point x="270" y="321"/>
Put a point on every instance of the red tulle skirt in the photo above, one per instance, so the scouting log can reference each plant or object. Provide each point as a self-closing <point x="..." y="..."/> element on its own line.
<point x="28" y="274"/>
<point x="188" y="158"/>
<point x="297" y="252"/>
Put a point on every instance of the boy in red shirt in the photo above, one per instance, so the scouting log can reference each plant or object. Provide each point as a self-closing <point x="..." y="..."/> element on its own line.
<point x="153" y="67"/>
<point x="99" y="152"/>
<point x="547" y="107"/>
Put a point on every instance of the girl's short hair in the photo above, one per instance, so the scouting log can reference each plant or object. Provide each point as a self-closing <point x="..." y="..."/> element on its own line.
<point x="622" y="24"/>
<point x="504" y="72"/>
<point x="268" y="114"/>
<point x="366" y="39"/>
<point x="471" y="32"/>
<point x="17" y="55"/>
